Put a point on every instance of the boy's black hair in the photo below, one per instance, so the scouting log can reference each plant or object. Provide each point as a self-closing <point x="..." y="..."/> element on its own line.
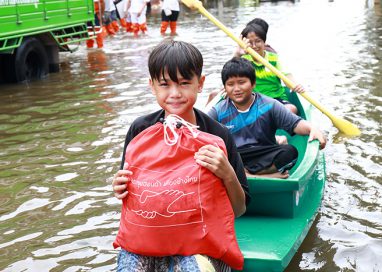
<point x="257" y="29"/>
<point x="260" y="22"/>
<point x="173" y="56"/>
<point x="238" y="67"/>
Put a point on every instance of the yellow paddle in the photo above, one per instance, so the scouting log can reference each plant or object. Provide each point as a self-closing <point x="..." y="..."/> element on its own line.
<point x="344" y="126"/>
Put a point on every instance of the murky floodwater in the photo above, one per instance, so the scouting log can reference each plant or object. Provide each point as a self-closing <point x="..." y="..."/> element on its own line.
<point x="61" y="138"/>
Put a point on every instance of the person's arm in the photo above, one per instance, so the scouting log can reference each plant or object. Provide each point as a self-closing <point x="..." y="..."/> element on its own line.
<point x="214" y="159"/>
<point x="240" y="51"/>
<point x="126" y="10"/>
<point x="213" y="113"/>
<point x="142" y="8"/>
<point x="121" y="178"/>
<point x="102" y="7"/>
<point x="298" y="88"/>
<point x="305" y="128"/>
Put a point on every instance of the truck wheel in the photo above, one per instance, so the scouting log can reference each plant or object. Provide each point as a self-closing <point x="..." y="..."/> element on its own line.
<point x="2" y="69"/>
<point x="7" y="68"/>
<point x="31" y="61"/>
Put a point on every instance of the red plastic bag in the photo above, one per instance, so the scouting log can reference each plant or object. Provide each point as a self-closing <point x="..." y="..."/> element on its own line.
<point x="174" y="206"/>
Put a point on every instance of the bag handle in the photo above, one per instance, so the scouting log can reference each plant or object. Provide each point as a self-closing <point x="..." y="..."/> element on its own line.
<point x="173" y="122"/>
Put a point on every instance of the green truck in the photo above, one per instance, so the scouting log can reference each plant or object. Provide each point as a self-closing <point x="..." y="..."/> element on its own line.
<point x="33" y="32"/>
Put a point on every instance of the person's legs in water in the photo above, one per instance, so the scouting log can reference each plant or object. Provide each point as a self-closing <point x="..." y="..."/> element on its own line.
<point x="173" y="19"/>
<point x="165" y="22"/>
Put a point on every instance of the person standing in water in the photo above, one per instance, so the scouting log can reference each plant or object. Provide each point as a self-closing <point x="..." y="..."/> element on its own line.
<point x="169" y="15"/>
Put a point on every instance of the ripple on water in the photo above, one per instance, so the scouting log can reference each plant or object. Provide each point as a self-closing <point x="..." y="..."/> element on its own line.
<point x="27" y="206"/>
<point x="66" y="177"/>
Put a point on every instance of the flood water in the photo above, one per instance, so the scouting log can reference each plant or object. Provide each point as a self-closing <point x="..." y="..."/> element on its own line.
<point x="61" y="138"/>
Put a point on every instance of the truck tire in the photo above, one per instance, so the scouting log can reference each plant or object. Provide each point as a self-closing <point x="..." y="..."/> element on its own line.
<point x="30" y="61"/>
<point x="7" y="67"/>
<point x="2" y="69"/>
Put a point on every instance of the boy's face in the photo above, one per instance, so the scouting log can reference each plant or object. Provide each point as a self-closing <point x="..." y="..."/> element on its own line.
<point x="177" y="98"/>
<point x="239" y="90"/>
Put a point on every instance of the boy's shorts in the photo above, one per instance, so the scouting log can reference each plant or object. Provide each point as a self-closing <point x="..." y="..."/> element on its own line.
<point x="130" y="262"/>
<point x="172" y="17"/>
<point x="257" y="158"/>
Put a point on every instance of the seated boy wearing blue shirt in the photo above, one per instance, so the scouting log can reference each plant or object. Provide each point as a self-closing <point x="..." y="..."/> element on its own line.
<point x="253" y="119"/>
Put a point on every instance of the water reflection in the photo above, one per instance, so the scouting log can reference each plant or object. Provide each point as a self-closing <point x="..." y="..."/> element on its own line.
<point x="61" y="138"/>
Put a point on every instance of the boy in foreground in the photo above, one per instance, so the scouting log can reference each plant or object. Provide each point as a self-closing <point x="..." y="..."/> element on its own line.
<point x="253" y="119"/>
<point x="176" y="79"/>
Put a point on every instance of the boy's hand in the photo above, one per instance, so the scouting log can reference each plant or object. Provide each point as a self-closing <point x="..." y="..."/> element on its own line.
<point x="316" y="134"/>
<point x="281" y="140"/>
<point x="119" y="182"/>
<point x="299" y="88"/>
<point x="214" y="159"/>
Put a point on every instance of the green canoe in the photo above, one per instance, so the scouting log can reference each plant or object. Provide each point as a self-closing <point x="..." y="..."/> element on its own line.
<point x="282" y="211"/>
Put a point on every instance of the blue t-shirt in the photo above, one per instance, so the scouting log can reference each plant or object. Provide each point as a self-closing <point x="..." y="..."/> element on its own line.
<point x="257" y="126"/>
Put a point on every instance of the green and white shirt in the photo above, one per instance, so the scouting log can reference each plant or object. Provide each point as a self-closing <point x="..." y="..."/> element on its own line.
<point x="266" y="81"/>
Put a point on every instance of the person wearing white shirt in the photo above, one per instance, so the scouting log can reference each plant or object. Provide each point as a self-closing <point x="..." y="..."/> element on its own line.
<point x="137" y="11"/>
<point x="111" y="17"/>
<point x="170" y="13"/>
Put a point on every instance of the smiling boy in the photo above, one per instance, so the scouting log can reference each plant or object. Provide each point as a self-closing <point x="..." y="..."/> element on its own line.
<point x="176" y="79"/>
<point x="253" y="119"/>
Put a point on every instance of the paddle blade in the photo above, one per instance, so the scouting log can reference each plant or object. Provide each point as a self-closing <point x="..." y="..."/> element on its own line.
<point x="346" y="127"/>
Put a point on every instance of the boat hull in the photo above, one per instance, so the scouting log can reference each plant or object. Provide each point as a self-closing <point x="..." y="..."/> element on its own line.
<point x="268" y="243"/>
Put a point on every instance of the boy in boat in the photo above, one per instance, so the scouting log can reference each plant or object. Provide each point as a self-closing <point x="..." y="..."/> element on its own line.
<point x="176" y="79"/>
<point x="240" y="52"/>
<point x="253" y="119"/>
